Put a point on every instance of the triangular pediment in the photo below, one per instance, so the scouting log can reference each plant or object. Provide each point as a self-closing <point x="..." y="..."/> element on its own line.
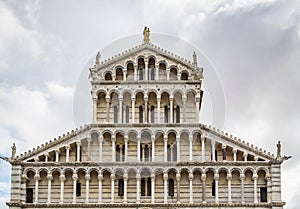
<point x="146" y="51"/>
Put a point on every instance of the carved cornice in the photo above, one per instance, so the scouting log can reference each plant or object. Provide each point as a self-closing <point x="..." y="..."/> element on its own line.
<point x="145" y="205"/>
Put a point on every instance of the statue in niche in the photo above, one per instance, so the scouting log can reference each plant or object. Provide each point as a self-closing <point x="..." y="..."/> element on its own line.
<point x="146" y="34"/>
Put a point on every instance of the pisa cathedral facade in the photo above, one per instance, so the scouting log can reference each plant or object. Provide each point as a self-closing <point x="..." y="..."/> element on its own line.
<point x="145" y="147"/>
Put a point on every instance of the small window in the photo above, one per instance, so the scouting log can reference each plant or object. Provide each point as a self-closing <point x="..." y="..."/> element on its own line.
<point x="171" y="187"/>
<point x="263" y="194"/>
<point x="152" y="74"/>
<point x="143" y="187"/>
<point x="116" y="114"/>
<point x="141" y="74"/>
<point x="166" y="114"/>
<point x="149" y="187"/>
<point x="118" y="153"/>
<point x="174" y="153"/>
<point x="108" y="77"/>
<point x="123" y="153"/>
<point x="78" y="189"/>
<point x="177" y="114"/>
<point x="141" y="110"/>
<point x="168" y="153"/>
<point x="121" y="187"/>
<point x="213" y="189"/>
<point x="152" y="114"/>
<point x="146" y="153"/>
<point x="184" y="76"/>
<point x="126" y="114"/>
<point x="29" y="195"/>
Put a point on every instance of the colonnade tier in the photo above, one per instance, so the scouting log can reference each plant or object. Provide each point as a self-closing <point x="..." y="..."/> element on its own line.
<point x="147" y="147"/>
<point x="147" y="69"/>
<point x="192" y="185"/>
<point x="153" y="105"/>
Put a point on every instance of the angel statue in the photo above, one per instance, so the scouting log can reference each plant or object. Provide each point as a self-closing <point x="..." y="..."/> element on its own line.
<point x="146" y="34"/>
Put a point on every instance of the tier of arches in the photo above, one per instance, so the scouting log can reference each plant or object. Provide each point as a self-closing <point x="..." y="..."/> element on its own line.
<point x="148" y="69"/>
<point x="147" y="146"/>
<point x="148" y="185"/>
<point x="150" y="106"/>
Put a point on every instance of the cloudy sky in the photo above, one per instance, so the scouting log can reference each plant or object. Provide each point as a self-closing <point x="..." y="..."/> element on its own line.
<point x="253" y="45"/>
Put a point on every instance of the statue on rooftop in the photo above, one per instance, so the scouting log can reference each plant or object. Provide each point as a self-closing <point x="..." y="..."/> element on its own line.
<point x="146" y="34"/>
<point x="98" y="56"/>
<point x="278" y="149"/>
<point x="13" y="151"/>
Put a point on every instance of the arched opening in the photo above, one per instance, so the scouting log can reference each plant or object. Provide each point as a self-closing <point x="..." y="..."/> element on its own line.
<point x="151" y="68"/>
<point x="152" y="101"/>
<point x="130" y="71"/>
<point x="165" y="102"/>
<point x="162" y="71"/>
<point x="145" y="183"/>
<point x="120" y="148"/>
<point x="126" y="107"/>
<point x="141" y="68"/>
<point x="184" y="76"/>
<point x="114" y="98"/>
<point x="108" y="76"/>
<point x="140" y="103"/>
<point x="119" y="74"/>
<point x="173" y="73"/>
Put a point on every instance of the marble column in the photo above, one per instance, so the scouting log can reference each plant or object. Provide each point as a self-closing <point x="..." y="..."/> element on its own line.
<point x="49" y="178"/>
<point x="178" y="148"/>
<point x="165" y="148"/>
<point x="120" y="110"/>
<point x="126" y="149"/>
<point x="178" y="176"/>
<point x="133" y="110"/>
<point x="213" y="149"/>
<point x="191" y="177"/>
<point x="67" y="147"/>
<point x="87" y="190"/>
<point x="146" y="110"/>
<point x="184" y="109"/>
<point x="153" y="188"/>
<point x="153" y="148"/>
<point x="94" y="109"/>
<point x="216" y="177"/>
<point x="125" y="178"/>
<point x="245" y="156"/>
<point x="100" y="139"/>
<point x="171" y="110"/>
<point x="135" y="72"/>
<point x="168" y="74"/>
<point x="156" y="72"/>
<point x="89" y="139"/>
<point x="36" y="188"/>
<point x="143" y="152"/>
<point x="75" y="178"/>
<point x="229" y="178"/>
<point x="46" y="157"/>
<point x="203" y="148"/>
<point x="62" y="179"/>
<point x="234" y="154"/>
<point x="113" y="149"/>
<point x="203" y="178"/>
<point x="124" y="74"/>
<point x="100" y="179"/>
<point x="191" y="147"/>
<point x="112" y="178"/>
<point x="107" y="108"/>
<point x="138" y="193"/>
<point x="255" y="187"/>
<point x="242" y="178"/>
<point x="57" y="155"/>
<point x="138" y="149"/>
<point x="146" y="70"/>
<point x="158" y="110"/>
<point x="165" y="188"/>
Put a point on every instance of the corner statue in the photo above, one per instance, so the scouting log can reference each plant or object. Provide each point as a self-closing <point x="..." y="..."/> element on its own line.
<point x="146" y="34"/>
<point x="13" y="151"/>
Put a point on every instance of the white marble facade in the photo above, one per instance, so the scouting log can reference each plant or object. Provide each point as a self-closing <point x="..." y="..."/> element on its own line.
<point x="146" y="147"/>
